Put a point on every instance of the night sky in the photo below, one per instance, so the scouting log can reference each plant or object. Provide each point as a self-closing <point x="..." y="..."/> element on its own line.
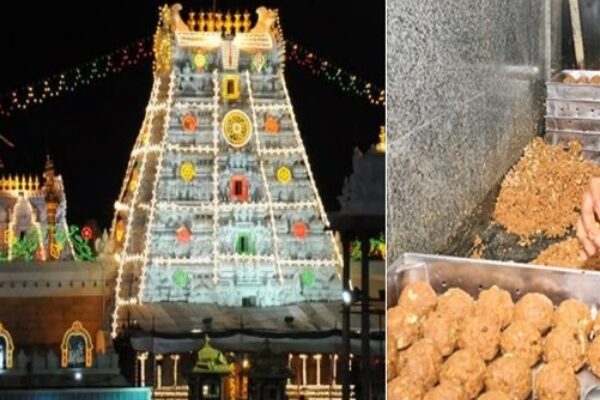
<point x="90" y="133"/>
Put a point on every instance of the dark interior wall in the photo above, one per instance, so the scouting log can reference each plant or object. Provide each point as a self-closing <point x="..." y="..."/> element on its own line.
<point x="589" y="11"/>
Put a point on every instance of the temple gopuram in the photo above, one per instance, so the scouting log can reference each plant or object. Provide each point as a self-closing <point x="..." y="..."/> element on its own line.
<point x="219" y="228"/>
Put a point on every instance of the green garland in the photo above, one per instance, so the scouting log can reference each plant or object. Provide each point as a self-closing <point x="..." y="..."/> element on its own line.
<point x="26" y="247"/>
<point x="377" y="249"/>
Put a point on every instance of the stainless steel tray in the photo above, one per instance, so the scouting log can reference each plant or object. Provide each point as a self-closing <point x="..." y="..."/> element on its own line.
<point x="572" y="124"/>
<point x="475" y="275"/>
<point x="557" y="90"/>
<point x="589" y="140"/>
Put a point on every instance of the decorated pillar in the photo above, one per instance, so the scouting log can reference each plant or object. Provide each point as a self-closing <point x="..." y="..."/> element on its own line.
<point x="159" y="358"/>
<point x="318" y="358"/>
<point x="175" y="358"/>
<point x="142" y="357"/>
<point x="303" y="357"/>
<point x="290" y="357"/>
<point x="334" y="369"/>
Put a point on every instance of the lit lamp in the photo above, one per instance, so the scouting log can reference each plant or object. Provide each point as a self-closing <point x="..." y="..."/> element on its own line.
<point x="347" y="297"/>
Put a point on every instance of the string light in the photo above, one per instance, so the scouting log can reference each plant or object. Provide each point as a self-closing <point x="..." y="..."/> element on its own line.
<point x="77" y="77"/>
<point x="141" y="51"/>
<point x="346" y="81"/>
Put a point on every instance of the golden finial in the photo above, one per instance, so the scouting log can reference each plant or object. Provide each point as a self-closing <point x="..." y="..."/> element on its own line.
<point x="380" y="147"/>
<point x="228" y="23"/>
<point x="22" y="184"/>
<point x="210" y="22"/>
<point x="191" y="22"/>
<point x="246" y="24"/>
<point x="202" y="22"/>
<point x="237" y="23"/>
<point x="219" y="22"/>
<point x="29" y="183"/>
<point x="162" y="42"/>
<point x="36" y="182"/>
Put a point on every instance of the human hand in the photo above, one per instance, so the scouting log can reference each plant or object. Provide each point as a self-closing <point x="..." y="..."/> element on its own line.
<point x="588" y="229"/>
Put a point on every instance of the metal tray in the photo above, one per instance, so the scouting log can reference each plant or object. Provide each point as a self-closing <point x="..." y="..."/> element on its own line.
<point x="572" y="124"/>
<point x="557" y="90"/>
<point x="567" y="108"/>
<point x="474" y="276"/>
<point x="589" y="140"/>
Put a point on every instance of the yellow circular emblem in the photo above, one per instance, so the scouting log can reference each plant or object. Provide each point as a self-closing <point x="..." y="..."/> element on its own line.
<point x="284" y="174"/>
<point x="237" y="128"/>
<point x="199" y="60"/>
<point x="187" y="171"/>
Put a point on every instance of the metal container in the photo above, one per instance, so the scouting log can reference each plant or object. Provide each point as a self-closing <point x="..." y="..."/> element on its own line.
<point x="573" y="111"/>
<point x="558" y="90"/>
<point x="473" y="276"/>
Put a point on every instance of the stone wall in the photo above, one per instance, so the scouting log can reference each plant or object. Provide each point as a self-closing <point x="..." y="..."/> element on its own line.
<point x="465" y="94"/>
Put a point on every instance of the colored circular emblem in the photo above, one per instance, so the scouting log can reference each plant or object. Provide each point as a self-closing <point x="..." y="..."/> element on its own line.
<point x="180" y="278"/>
<point x="284" y="175"/>
<point x="189" y="123"/>
<point x="307" y="277"/>
<point x="55" y="251"/>
<point x="133" y="181"/>
<point x="39" y="254"/>
<point x="258" y="61"/>
<point x="271" y="125"/>
<point x="237" y="128"/>
<point x="120" y="231"/>
<point x="199" y="60"/>
<point x="187" y="171"/>
<point x="87" y="232"/>
<point x="300" y="230"/>
<point x="183" y="235"/>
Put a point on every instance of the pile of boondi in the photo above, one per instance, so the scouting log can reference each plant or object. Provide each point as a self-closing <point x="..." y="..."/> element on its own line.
<point x="543" y="191"/>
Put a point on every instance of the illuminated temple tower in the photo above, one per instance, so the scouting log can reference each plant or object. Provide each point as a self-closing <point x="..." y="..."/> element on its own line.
<point x="219" y="204"/>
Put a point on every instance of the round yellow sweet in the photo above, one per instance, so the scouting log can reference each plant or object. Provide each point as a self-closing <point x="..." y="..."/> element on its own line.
<point x="187" y="171"/>
<point x="284" y="174"/>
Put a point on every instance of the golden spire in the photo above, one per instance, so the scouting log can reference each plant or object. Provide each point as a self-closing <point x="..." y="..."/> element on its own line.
<point x="246" y="24"/>
<point x="210" y="23"/>
<point x="237" y="23"/>
<point x="218" y="22"/>
<point x="228" y="23"/>
<point x="191" y="22"/>
<point x="202" y="22"/>
<point x="380" y="147"/>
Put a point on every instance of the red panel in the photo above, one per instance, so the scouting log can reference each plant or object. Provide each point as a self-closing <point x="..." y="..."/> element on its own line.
<point x="238" y="188"/>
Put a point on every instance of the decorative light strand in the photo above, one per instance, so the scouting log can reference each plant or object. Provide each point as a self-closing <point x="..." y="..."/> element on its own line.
<point x="323" y="214"/>
<point x="159" y="164"/>
<point x="346" y="81"/>
<point x="147" y="125"/>
<point x="134" y="54"/>
<point x="68" y="81"/>
<point x="215" y="176"/>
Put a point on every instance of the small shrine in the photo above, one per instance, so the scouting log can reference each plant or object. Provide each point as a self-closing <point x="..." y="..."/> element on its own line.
<point x="33" y="220"/>
<point x="76" y="347"/>
<point x="207" y="379"/>
<point x="268" y="377"/>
